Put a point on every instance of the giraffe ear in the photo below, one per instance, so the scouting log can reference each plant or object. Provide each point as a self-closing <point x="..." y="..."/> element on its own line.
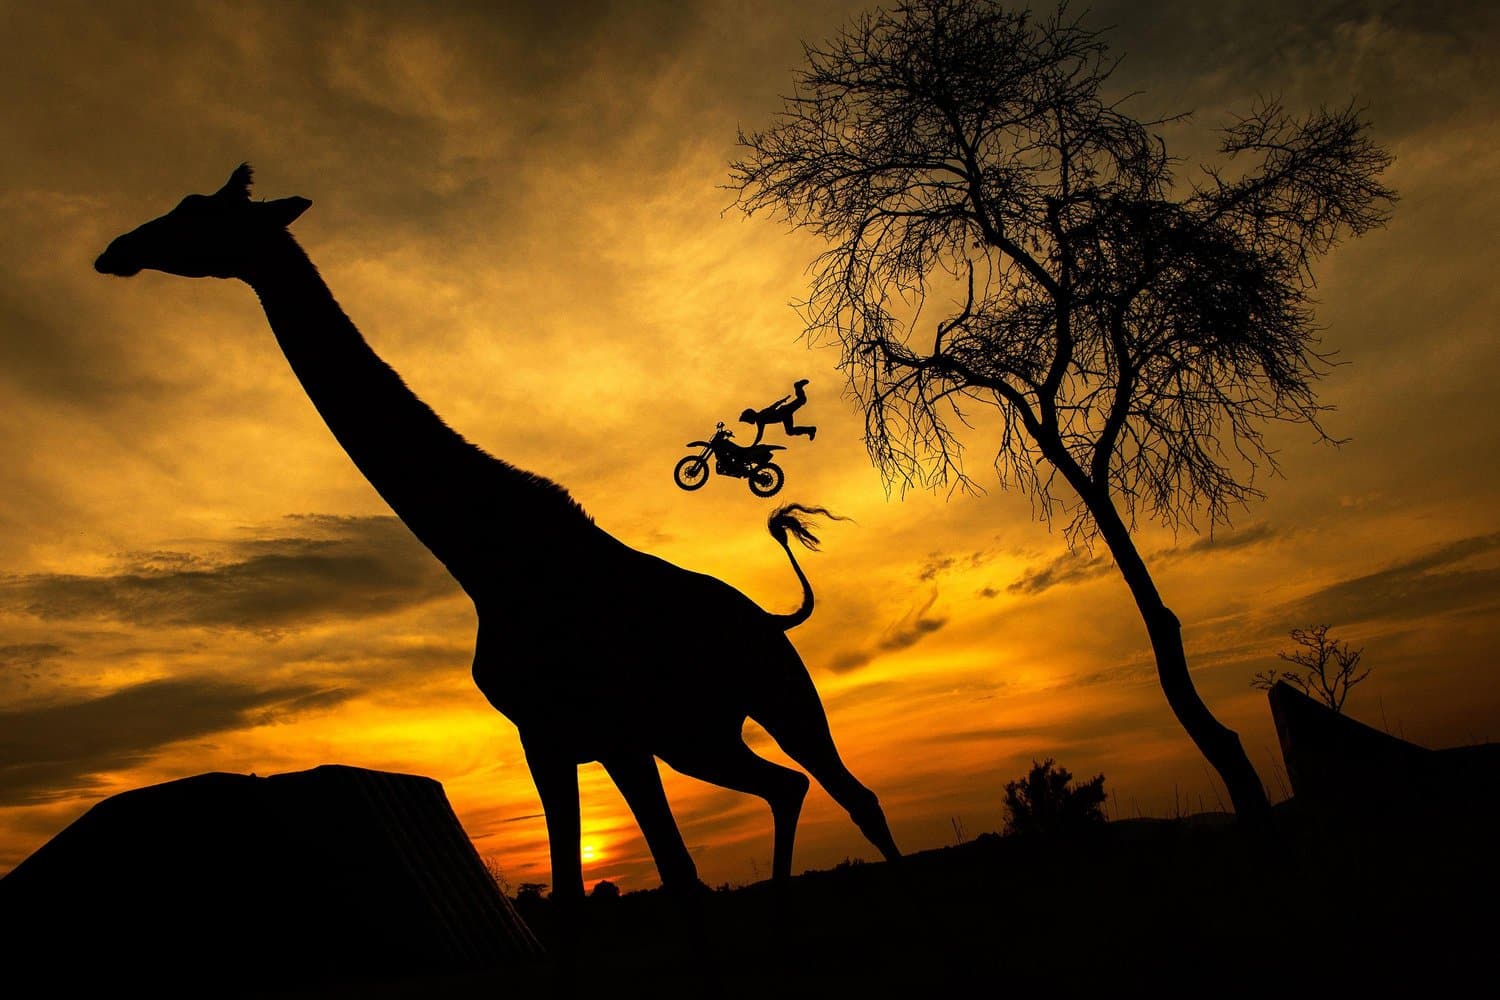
<point x="283" y="211"/>
<point x="237" y="187"/>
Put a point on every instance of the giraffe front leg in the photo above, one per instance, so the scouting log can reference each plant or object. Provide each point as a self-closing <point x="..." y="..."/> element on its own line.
<point x="640" y="784"/>
<point x="556" y="778"/>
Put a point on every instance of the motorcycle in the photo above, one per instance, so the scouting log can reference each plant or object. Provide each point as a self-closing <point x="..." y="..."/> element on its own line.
<point x="752" y="463"/>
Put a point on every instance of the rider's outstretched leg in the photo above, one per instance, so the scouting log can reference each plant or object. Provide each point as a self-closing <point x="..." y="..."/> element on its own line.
<point x="791" y="431"/>
<point x="790" y="408"/>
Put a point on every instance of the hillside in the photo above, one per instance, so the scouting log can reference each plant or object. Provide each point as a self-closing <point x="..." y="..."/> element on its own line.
<point x="1186" y="906"/>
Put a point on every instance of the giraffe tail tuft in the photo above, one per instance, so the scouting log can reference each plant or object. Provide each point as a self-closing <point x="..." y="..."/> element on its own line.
<point x="793" y="520"/>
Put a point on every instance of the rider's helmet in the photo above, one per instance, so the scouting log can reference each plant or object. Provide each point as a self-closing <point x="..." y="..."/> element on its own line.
<point x="748" y="417"/>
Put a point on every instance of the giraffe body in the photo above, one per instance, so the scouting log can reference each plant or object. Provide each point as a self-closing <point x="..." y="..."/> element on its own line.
<point x="594" y="650"/>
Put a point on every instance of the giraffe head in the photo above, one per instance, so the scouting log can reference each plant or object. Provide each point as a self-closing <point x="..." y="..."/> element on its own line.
<point x="206" y="235"/>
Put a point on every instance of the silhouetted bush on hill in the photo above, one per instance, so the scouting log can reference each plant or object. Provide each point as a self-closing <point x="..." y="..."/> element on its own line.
<point x="1047" y="803"/>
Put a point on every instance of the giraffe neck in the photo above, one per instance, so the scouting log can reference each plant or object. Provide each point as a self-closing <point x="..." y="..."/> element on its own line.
<point x="468" y="507"/>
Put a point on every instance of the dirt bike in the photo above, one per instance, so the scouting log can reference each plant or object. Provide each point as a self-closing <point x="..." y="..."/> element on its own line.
<point x="752" y="463"/>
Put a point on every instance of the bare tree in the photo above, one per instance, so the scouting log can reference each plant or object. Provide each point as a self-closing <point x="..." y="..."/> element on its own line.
<point x="1327" y="668"/>
<point x="1134" y="332"/>
<point x="496" y="873"/>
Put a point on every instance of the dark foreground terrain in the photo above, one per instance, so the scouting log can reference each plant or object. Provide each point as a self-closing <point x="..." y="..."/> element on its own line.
<point x="1143" y="906"/>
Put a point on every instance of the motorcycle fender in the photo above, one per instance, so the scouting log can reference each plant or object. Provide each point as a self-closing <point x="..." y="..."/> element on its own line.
<point x="697" y="444"/>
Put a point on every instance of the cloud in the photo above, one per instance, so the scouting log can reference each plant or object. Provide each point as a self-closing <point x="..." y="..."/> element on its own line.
<point x="934" y="566"/>
<point x="1126" y="673"/>
<point x="917" y="622"/>
<point x="23" y="663"/>
<point x="911" y="628"/>
<point x="864" y="694"/>
<point x="1076" y="567"/>
<point x="987" y="735"/>
<point x="1431" y="583"/>
<point x="1417" y="63"/>
<point x="851" y="660"/>
<point x="334" y="567"/>
<point x="61" y="361"/>
<point x="53" y="751"/>
<point x="907" y="631"/>
<point x="1253" y="534"/>
<point x="29" y="656"/>
<point x="1070" y="567"/>
<point x="1094" y="732"/>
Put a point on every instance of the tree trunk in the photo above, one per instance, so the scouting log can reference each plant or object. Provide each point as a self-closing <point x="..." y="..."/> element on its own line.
<point x="1217" y="742"/>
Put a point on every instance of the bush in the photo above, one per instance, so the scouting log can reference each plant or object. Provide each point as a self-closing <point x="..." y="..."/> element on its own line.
<point x="533" y="907"/>
<point x="1047" y="803"/>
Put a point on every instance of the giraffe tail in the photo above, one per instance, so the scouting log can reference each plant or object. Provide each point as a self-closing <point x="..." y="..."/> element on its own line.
<point x="793" y="519"/>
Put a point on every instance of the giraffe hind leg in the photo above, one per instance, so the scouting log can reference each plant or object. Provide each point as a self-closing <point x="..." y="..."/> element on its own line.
<point x="800" y="727"/>
<point x="734" y="765"/>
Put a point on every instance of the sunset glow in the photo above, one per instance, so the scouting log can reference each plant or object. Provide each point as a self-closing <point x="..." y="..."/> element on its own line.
<point x="525" y="215"/>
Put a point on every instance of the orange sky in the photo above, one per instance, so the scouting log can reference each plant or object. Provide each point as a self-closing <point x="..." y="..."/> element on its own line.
<point x="523" y="211"/>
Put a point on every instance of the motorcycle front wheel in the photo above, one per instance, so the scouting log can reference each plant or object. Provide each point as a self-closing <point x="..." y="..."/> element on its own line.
<point x="766" y="481"/>
<point x="692" y="472"/>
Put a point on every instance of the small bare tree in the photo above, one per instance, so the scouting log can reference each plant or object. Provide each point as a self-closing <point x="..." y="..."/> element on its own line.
<point x="496" y="873"/>
<point x="1132" y="331"/>
<point x="1327" y="668"/>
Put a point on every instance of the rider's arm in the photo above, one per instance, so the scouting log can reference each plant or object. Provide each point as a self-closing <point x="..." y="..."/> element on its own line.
<point x="760" y="430"/>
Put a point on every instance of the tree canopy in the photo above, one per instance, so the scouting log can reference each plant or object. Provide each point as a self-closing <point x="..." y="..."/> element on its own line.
<point x="1135" y="330"/>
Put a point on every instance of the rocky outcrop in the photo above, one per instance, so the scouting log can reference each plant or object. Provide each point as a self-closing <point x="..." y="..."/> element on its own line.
<point x="233" y="881"/>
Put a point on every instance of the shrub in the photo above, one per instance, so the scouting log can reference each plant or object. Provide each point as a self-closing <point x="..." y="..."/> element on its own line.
<point x="1046" y="802"/>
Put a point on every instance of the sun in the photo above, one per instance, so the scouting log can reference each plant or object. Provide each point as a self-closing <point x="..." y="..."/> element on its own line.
<point x="589" y="853"/>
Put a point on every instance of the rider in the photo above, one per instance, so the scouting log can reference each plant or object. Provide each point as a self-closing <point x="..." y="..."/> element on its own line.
<point x="780" y="412"/>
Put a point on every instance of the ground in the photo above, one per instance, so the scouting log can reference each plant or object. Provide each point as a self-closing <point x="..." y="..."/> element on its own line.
<point x="1166" y="907"/>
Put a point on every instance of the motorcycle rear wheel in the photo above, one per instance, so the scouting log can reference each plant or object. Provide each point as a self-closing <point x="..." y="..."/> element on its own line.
<point x="691" y="473"/>
<point x="767" y="480"/>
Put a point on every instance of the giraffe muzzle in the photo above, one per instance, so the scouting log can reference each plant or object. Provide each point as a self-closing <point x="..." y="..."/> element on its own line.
<point x="111" y="261"/>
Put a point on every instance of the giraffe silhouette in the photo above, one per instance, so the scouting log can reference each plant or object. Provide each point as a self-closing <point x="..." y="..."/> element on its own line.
<point x="595" y="650"/>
